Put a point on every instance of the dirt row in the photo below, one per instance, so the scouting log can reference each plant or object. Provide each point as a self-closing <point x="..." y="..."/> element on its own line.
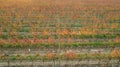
<point x="55" y="50"/>
<point x="62" y="63"/>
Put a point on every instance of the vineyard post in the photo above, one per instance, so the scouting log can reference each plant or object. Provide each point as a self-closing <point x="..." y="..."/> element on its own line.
<point x="43" y="62"/>
<point x="58" y="39"/>
<point x="8" y="61"/>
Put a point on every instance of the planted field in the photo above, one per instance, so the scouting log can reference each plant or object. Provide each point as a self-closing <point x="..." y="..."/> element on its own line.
<point x="37" y="27"/>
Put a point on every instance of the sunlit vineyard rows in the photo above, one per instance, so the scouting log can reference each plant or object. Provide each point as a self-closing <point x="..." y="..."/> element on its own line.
<point x="59" y="26"/>
<point x="52" y="21"/>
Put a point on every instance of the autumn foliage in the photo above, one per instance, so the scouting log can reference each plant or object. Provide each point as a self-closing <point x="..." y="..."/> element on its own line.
<point x="115" y="53"/>
<point x="70" y="55"/>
